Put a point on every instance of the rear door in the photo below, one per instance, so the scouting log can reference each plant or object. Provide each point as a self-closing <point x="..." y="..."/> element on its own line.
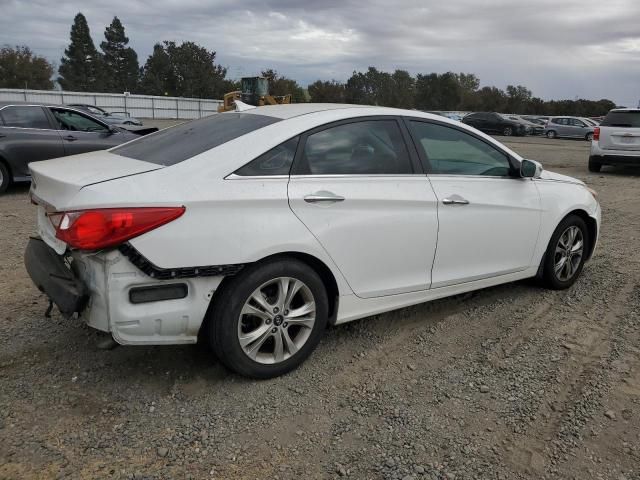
<point x="620" y="130"/>
<point x="360" y="191"/>
<point x="27" y="135"/>
<point x="82" y="133"/>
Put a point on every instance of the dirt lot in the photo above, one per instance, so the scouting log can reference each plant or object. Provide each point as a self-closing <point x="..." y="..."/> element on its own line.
<point x="508" y="382"/>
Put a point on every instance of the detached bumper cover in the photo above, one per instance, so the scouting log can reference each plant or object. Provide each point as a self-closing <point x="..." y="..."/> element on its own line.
<point x="54" y="278"/>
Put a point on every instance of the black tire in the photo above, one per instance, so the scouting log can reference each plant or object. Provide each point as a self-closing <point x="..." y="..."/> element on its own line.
<point x="507" y="131"/>
<point x="225" y="317"/>
<point x="5" y="177"/>
<point x="588" y="137"/>
<point x="594" y="166"/>
<point x="551" y="134"/>
<point x="549" y="277"/>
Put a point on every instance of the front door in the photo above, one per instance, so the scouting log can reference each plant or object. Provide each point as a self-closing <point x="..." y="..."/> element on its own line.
<point x="355" y="187"/>
<point x="81" y="133"/>
<point x="488" y="219"/>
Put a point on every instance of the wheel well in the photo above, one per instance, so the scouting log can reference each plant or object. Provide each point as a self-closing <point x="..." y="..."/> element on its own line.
<point x="592" y="226"/>
<point x="317" y="265"/>
<point x="323" y="271"/>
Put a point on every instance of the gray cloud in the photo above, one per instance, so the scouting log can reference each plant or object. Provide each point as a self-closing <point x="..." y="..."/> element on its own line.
<point x="583" y="48"/>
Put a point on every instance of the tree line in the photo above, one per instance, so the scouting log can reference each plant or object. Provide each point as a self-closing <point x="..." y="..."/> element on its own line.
<point x="190" y="70"/>
<point x="446" y="91"/>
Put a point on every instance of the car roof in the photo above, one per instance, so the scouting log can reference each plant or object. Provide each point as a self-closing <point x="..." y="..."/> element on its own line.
<point x="291" y="110"/>
<point x="5" y="103"/>
<point x="625" y="110"/>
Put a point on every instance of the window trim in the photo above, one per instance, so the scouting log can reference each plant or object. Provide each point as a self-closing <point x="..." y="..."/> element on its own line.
<point x="513" y="163"/>
<point x="414" y="163"/>
<point x="46" y="114"/>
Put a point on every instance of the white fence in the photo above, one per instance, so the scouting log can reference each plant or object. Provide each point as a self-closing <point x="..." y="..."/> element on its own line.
<point x="142" y="106"/>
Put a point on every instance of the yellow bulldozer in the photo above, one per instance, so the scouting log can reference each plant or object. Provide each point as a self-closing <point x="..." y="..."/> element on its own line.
<point x="254" y="91"/>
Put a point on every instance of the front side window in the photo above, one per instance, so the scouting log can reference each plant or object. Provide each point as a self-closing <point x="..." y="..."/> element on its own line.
<point x="25" y="117"/>
<point x="76" y="122"/>
<point x="276" y="161"/>
<point x="373" y="147"/>
<point x="453" y="152"/>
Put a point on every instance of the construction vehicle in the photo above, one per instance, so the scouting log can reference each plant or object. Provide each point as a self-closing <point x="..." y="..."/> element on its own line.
<point x="254" y="91"/>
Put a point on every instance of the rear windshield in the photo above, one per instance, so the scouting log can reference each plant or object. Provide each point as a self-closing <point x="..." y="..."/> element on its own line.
<point x="622" y="119"/>
<point x="179" y="143"/>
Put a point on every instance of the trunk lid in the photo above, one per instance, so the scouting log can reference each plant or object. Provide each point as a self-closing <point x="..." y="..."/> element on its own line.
<point x="56" y="182"/>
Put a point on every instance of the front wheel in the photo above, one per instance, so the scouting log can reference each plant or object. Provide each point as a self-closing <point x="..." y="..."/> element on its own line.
<point x="589" y="136"/>
<point x="507" y="132"/>
<point x="566" y="253"/>
<point x="269" y="318"/>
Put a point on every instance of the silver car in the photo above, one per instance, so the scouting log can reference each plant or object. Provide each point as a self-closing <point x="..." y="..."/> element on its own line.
<point x="569" y="127"/>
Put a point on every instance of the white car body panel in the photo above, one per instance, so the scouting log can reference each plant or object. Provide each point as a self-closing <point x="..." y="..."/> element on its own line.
<point x="382" y="245"/>
<point x="375" y="261"/>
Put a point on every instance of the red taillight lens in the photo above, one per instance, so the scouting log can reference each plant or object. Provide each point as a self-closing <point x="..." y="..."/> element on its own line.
<point x="596" y="133"/>
<point x="107" y="227"/>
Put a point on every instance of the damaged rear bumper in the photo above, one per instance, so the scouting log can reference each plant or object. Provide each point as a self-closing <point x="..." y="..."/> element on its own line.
<point x="54" y="277"/>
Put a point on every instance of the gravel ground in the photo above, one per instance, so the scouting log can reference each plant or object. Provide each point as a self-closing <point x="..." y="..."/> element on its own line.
<point x="511" y="382"/>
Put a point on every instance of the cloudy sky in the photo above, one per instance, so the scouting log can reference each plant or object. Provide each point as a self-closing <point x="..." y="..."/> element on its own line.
<point x="557" y="48"/>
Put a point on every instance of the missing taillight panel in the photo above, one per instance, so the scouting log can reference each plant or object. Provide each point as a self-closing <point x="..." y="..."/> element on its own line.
<point x="108" y="227"/>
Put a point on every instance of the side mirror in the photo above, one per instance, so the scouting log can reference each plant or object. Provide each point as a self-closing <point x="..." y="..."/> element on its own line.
<point x="530" y="169"/>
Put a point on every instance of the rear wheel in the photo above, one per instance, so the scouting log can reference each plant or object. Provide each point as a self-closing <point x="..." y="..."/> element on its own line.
<point x="594" y="166"/>
<point x="551" y="134"/>
<point x="5" y="177"/>
<point x="507" y="132"/>
<point x="566" y="253"/>
<point x="589" y="136"/>
<point x="269" y="318"/>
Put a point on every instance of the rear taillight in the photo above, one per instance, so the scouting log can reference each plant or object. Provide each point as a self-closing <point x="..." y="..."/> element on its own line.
<point x="108" y="227"/>
<point x="596" y="133"/>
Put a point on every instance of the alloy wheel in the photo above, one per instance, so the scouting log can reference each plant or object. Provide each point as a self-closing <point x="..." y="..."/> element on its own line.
<point x="568" y="253"/>
<point x="276" y="320"/>
<point x="508" y="131"/>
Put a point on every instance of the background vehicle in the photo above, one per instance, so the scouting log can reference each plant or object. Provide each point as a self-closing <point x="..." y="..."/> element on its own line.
<point x="617" y="140"/>
<point x="254" y="91"/>
<point x="256" y="229"/>
<point x="113" y="118"/>
<point x="491" y="122"/>
<point x="532" y="127"/>
<point x="536" y="119"/>
<point x="568" y="127"/>
<point x="32" y="132"/>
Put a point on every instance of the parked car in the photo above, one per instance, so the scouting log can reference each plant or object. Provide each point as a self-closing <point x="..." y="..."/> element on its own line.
<point x="590" y="121"/>
<point x="568" y="127"/>
<point x="255" y="230"/>
<point x="542" y="121"/>
<point x="532" y="127"/>
<point x="617" y="140"/>
<point x="114" y="118"/>
<point x="31" y="132"/>
<point x="491" y="122"/>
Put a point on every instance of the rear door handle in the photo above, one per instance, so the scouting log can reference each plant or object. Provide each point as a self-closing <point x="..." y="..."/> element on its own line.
<point x="455" y="200"/>
<point x="323" y="196"/>
<point x="70" y="138"/>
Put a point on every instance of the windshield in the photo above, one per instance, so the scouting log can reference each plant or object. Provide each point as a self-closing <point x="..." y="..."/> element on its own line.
<point x="177" y="144"/>
<point x="629" y="118"/>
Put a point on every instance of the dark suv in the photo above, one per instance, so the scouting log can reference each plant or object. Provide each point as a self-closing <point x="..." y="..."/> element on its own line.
<point x="30" y="132"/>
<point x="491" y="122"/>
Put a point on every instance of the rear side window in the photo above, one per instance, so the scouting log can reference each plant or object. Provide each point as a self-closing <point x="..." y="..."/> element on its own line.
<point x="630" y="119"/>
<point x="373" y="147"/>
<point x="25" y="117"/>
<point x="276" y="161"/>
<point x="179" y="143"/>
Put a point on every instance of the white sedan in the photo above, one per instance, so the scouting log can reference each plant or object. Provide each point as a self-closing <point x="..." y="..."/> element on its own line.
<point x="255" y="229"/>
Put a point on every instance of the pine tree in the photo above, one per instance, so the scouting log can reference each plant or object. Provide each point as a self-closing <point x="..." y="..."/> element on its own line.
<point x="121" y="67"/>
<point x="81" y="67"/>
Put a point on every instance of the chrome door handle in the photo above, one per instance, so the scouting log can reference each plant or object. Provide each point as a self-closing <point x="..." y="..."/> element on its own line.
<point x="455" y="200"/>
<point x="319" y="197"/>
